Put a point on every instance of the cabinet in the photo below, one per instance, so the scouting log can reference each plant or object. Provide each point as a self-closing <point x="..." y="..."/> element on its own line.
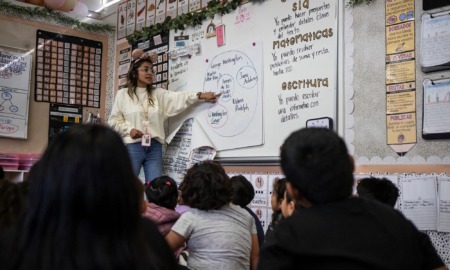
<point x="15" y="175"/>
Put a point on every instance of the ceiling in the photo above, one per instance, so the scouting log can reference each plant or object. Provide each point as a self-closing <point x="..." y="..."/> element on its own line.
<point x="99" y="11"/>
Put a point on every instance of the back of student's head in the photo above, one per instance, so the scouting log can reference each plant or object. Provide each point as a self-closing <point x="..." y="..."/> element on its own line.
<point x="279" y="187"/>
<point x="243" y="191"/>
<point x="162" y="191"/>
<point x="206" y="186"/>
<point x="12" y="200"/>
<point x="316" y="162"/>
<point x="380" y="189"/>
<point x="83" y="207"/>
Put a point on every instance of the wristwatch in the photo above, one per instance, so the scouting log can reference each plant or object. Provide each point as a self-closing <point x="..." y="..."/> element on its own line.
<point x="199" y="94"/>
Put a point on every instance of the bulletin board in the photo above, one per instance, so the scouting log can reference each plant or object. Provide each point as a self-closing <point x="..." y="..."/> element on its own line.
<point x="276" y="66"/>
<point x="19" y="33"/>
<point x="15" y="78"/>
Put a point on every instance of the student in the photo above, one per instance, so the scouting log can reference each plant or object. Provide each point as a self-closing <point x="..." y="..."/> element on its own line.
<point x="243" y="194"/>
<point x="287" y="205"/>
<point x="384" y="191"/>
<point x="83" y="210"/>
<point x="380" y="189"/>
<point x="279" y="188"/>
<point x="139" y="112"/>
<point x="331" y="229"/>
<point x="162" y="194"/>
<point x="219" y="235"/>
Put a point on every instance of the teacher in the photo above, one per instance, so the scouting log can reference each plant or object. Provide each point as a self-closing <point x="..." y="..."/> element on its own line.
<point x="139" y="112"/>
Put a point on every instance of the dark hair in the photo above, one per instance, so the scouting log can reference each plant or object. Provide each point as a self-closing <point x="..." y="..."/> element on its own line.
<point x="162" y="191"/>
<point x="279" y="187"/>
<point x="206" y="186"/>
<point x="132" y="79"/>
<point x="380" y="189"/>
<point x="12" y="200"/>
<point x="83" y="209"/>
<point x="316" y="162"/>
<point x="288" y="197"/>
<point x="243" y="191"/>
<point x="2" y="173"/>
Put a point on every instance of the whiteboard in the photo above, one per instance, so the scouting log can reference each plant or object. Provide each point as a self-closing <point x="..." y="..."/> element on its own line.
<point x="15" y="70"/>
<point x="298" y="77"/>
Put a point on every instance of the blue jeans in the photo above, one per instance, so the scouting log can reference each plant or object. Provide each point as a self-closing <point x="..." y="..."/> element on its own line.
<point x="148" y="156"/>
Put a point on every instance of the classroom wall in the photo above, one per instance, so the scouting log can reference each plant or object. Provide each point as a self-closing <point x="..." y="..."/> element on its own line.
<point x="365" y="75"/>
<point x="21" y="33"/>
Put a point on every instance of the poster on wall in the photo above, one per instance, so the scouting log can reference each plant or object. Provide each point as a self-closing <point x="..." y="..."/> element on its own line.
<point x="68" y="69"/>
<point x="400" y="76"/>
<point x="15" y="71"/>
<point x="121" y="20"/>
<point x="124" y="65"/>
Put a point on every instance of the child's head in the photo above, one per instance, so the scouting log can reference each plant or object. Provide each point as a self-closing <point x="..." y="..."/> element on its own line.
<point x="287" y="205"/>
<point x="206" y="186"/>
<point x="162" y="191"/>
<point x="279" y="187"/>
<point x="381" y="190"/>
<point x="243" y="191"/>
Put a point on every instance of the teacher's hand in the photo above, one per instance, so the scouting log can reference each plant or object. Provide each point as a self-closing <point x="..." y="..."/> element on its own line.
<point x="209" y="96"/>
<point x="135" y="133"/>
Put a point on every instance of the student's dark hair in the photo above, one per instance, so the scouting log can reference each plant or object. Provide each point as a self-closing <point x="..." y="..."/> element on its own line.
<point x="380" y="189"/>
<point x="132" y="79"/>
<point x="288" y="197"/>
<point x="279" y="187"/>
<point x="12" y="200"/>
<point x="206" y="186"/>
<point x="2" y="173"/>
<point x="316" y="162"/>
<point x="83" y="209"/>
<point x="162" y="191"/>
<point x="243" y="191"/>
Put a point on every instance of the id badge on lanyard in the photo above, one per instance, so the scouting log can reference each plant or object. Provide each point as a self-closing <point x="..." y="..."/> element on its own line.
<point x="147" y="137"/>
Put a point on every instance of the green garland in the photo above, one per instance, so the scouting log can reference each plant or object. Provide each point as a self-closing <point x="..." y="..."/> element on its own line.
<point x="196" y="18"/>
<point x="352" y="3"/>
<point x="187" y="19"/>
<point x="50" y="14"/>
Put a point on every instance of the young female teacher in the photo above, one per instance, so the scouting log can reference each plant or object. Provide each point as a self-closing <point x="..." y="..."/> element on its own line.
<point x="139" y="112"/>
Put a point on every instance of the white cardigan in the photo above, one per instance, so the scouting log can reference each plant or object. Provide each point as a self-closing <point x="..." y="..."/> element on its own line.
<point x="128" y="113"/>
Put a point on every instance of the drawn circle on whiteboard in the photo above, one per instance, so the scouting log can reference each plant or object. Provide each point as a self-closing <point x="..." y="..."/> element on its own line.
<point x="6" y="96"/>
<point x="1" y="108"/>
<point x="259" y="182"/>
<point x="226" y="87"/>
<point x="13" y="108"/>
<point x="242" y="99"/>
<point x="217" y="116"/>
<point x="247" y="77"/>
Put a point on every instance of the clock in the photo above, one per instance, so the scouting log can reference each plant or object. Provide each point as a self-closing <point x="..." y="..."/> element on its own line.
<point x="322" y="122"/>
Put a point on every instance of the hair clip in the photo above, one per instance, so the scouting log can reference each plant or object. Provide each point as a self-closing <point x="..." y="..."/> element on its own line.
<point x="139" y="54"/>
<point x="168" y="183"/>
